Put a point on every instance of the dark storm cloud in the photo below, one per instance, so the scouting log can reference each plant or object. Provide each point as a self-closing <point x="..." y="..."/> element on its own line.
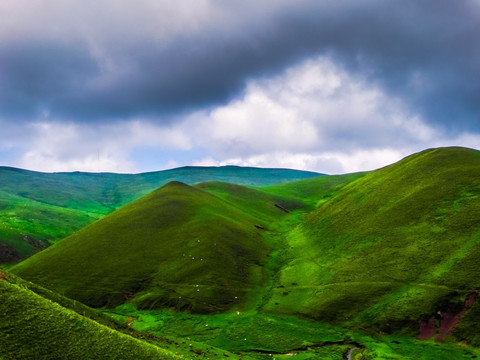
<point x="38" y="76"/>
<point x="426" y="53"/>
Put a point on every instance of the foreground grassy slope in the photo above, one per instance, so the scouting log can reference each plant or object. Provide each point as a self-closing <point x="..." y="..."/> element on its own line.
<point x="267" y="336"/>
<point x="39" y="208"/>
<point x="34" y="327"/>
<point x="37" y="323"/>
<point x="391" y="248"/>
<point x="178" y="246"/>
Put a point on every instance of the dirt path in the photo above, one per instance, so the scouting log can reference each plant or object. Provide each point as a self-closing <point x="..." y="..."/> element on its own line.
<point x="350" y="352"/>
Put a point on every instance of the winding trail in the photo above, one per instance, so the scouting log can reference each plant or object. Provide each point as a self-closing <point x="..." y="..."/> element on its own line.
<point x="350" y="352"/>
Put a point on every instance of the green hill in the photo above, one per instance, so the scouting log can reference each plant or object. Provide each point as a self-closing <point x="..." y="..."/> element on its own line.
<point x="39" y="208"/>
<point x="40" y="324"/>
<point x="178" y="246"/>
<point x="35" y="327"/>
<point x="270" y="209"/>
<point x="395" y="247"/>
<point x="315" y="191"/>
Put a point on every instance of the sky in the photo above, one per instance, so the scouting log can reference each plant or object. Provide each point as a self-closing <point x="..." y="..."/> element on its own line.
<point x="322" y="85"/>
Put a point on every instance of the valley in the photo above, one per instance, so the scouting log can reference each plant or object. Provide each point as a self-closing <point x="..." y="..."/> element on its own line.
<point x="373" y="265"/>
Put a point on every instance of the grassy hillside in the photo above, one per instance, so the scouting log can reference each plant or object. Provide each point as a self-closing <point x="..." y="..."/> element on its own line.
<point x="395" y="247"/>
<point x="38" y="323"/>
<point x="313" y="192"/>
<point x="358" y="264"/>
<point x="270" y="209"/>
<point x="34" y="327"/>
<point x="39" y="208"/>
<point x="178" y="246"/>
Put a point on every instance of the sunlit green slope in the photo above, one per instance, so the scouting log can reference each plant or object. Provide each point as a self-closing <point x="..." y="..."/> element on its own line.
<point x="270" y="209"/>
<point x="312" y="192"/>
<point x="392" y="248"/>
<point x="38" y="208"/>
<point x="178" y="246"/>
<point x="35" y="327"/>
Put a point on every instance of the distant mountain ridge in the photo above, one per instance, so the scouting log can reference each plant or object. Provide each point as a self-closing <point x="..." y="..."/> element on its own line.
<point x="37" y="208"/>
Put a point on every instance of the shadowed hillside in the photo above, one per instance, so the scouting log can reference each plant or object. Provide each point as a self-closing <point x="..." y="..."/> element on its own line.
<point x="178" y="246"/>
<point x="40" y="324"/>
<point x="35" y="327"/>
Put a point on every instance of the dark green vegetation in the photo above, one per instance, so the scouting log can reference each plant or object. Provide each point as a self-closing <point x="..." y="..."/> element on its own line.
<point x="37" y="323"/>
<point x="39" y="208"/>
<point x="33" y="326"/>
<point x="178" y="246"/>
<point x="359" y="264"/>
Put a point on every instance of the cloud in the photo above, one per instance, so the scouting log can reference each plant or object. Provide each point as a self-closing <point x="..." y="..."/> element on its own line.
<point x="321" y="85"/>
<point x="314" y="116"/>
<point x="329" y="162"/>
<point x="313" y="106"/>
<point x="58" y="146"/>
<point x="110" y="60"/>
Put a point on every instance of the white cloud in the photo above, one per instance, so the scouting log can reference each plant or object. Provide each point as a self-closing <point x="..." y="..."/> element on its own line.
<point x="313" y="116"/>
<point x="328" y="162"/>
<point x="69" y="147"/>
<point x="54" y="146"/>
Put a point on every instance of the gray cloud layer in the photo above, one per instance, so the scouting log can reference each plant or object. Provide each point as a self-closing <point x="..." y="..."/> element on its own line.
<point x="89" y="63"/>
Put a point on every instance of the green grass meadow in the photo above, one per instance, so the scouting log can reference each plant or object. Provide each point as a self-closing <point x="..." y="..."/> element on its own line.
<point x="355" y="266"/>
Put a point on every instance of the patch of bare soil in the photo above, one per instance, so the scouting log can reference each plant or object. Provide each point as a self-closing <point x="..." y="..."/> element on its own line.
<point x="447" y="320"/>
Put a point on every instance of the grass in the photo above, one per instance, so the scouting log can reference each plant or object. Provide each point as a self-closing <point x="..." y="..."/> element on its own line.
<point x="35" y="327"/>
<point x="315" y="191"/>
<point x="38" y="323"/>
<point x="48" y="207"/>
<point x="317" y="267"/>
<point x="269" y="208"/>
<point x="389" y="248"/>
<point x="178" y="246"/>
<point x="27" y="226"/>
<point x="267" y="336"/>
